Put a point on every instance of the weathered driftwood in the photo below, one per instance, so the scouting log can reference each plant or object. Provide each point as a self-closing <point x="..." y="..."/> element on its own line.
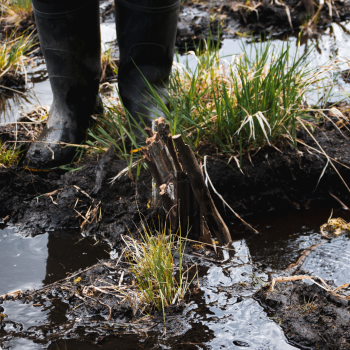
<point x="163" y="173"/>
<point x="164" y="131"/>
<point x="188" y="210"/>
<point x="181" y="190"/>
<point x="189" y="162"/>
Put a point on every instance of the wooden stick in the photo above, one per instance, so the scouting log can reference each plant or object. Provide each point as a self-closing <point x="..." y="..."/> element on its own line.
<point x="151" y="166"/>
<point x="165" y="135"/>
<point x="216" y="225"/>
<point x="156" y="148"/>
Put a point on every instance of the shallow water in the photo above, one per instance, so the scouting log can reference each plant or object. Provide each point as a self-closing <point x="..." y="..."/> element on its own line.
<point x="329" y="43"/>
<point x="224" y="313"/>
<point x="31" y="262"/>
<point x="331" y="261"/>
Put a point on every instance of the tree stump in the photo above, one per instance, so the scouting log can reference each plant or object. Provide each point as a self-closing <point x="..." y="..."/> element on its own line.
<point x="183" y="195"/>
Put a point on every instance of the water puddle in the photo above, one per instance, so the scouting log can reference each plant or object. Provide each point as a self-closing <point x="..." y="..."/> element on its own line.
<point x="329" y="43"/>
<point x="331" y="261"/>
<point x="32" y="262"/>
<point x="285" y="234"/>
<point x="223" y="314"/>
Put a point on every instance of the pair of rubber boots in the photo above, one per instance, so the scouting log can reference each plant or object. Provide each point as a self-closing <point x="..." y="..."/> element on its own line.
<point x="69" y="33"/>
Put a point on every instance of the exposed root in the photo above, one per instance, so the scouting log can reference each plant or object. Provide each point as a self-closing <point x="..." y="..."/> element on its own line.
<point x="324" y="285"/>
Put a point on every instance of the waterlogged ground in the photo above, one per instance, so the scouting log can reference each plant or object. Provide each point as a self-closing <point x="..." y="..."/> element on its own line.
<point x="31" y="262"/>
<point x="223" y="315"/>
<point x="328" y="43"/>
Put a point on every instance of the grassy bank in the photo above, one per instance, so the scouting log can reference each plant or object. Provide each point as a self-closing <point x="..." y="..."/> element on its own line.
<point x="228" y="105"/>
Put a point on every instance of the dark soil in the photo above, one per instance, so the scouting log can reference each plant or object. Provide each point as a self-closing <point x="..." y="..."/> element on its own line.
<point x="115" y="208"/>
<point x="267" y="16"/>
<point x="12" y="80"/>
<point x="85" y="198"/>
<point x="271" y="178"/>
<point x="310" y="316"/>
<point x="274" y="179"/>
<point x="271" y="15"/>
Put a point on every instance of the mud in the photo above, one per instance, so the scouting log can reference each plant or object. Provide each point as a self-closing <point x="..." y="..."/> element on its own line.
<point x="310" y="316"/>
<point x="272" y="16"/>
<point x="269" y="178"/>
<point x="26" y="25"/>
<point x="70" y="196"/>
<point x="12" y="80"/>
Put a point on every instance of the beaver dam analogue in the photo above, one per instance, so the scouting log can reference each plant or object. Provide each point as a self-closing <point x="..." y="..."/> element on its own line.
<point x="221" y="223"/>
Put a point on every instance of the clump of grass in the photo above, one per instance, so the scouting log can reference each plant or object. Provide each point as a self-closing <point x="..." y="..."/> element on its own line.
<point x="16" y="11"/>
<point x="108" y="64"/>
<point x="161" y="281"/>
<point x="9" y="155"/>
<point x="116" y="127"/>
<point x="253" y="99"/>
<point x="247" y="102"/>
<point x="13" y="55"/>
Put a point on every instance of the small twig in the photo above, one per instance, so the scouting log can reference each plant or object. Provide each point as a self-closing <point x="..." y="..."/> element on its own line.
<point x="110" y="309"/>
<point x="121" y="279"/>
<point x="325" y="154"/>
<point x="219" y="195"/>
<point x="338" y="200"/>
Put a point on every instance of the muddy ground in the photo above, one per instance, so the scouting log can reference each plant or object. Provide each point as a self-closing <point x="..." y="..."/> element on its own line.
<point x="310" y="316"/>
<point x="283" y="176"/>
<point x="270" y="177"/>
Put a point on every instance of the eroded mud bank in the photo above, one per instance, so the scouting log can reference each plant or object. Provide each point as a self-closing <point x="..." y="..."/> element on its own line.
<point x="268" y="178"/>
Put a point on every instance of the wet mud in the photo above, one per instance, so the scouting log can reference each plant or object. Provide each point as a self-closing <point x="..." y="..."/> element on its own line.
<point x="272" y="178"/>
<point x="12" y="80"/>
<point x="310" y="316"/>
<point x="38" y="203"/>
<point x="283" y="176"/>
<point x="26" y="25"/>
<point x="292" y="15"/>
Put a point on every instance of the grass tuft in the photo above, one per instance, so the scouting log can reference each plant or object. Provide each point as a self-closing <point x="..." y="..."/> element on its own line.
<point x="16" y="11"/>
<point x="227" y="105"/>
<point x="161" y="282"/>
<point x="247" y="102"/>
<point x="12" y="55"/>
<point x="108" y="64"/>
<point x="9" y="155"/>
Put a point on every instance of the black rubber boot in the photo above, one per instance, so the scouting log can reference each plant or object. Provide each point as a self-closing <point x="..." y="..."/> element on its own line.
<point x="69" y="33"/>
<point x="146" y="32"/>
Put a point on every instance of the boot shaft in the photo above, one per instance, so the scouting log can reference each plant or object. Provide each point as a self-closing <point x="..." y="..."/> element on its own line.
<point x="146" y="32"/>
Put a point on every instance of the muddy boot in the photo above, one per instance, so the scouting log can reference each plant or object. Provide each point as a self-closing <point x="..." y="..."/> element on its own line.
<point x="146" y="32"/>
<point x="69" y="33"/>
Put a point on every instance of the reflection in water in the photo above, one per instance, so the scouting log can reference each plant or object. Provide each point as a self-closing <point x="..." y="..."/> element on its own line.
<point x="22" y="261"/>
<point x="331" y="261"/>
<point x="11" y="104"/>
<point x="232" y="315"/>
<point x="38" y="93"/>
<point x="35" y="261"/>
<point x="330" y="42"/>
<point x="28" y="263"/>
